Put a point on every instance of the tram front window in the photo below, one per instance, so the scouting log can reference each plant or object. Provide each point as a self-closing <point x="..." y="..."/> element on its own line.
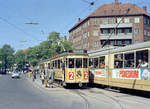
<point x="79" y="63"/>
<point x="102" y="62"/>
<point x="71" y="63"/>
<point x="91" y="62"/>
<point x="95" y="62"/>
<point x="85" y="63"/>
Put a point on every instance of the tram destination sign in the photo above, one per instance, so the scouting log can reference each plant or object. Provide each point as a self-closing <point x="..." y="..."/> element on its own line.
<point x="78" y="51"/>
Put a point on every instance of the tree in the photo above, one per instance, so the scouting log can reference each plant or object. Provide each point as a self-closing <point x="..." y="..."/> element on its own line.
<point x="7" y="57"/>
<point x="20" y="59"/>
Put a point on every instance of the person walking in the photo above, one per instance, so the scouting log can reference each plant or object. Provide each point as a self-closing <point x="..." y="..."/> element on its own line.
<point x="34" y="75"/>
<point x="42" y="77"/>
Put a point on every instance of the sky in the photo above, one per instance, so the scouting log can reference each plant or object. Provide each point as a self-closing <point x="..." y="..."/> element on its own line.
<point x="52" y="15"/>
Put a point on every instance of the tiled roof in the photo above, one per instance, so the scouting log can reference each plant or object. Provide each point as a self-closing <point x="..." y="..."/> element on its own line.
<point x="113" y="10"/>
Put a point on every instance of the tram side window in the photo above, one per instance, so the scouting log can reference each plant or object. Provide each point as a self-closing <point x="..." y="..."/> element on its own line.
<point x="129" y="60"/>
<point x="95" y="62"/>
<point x="142" y="58"/>
<point x="66" y="62"/>
<point x="48" y="65"/>
<point x="85" y="63"/>
<point x="118" y="61"/>
<point x="58" y="64"/>
<point x="90" y="62"/>
<point x="71" y="63"/>
<point x="55" y="63"/>
<point x="102" y="62"/>
<point x="78" y="62"/>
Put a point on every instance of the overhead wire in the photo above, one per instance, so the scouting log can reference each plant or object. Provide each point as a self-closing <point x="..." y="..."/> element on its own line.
<point x="82" y="12"/>
<point x="18" y="28"/>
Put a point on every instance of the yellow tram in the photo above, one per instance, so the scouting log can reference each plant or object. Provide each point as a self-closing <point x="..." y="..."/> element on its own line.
<point x="69" y="68"/>
<point x="124" y="67"/>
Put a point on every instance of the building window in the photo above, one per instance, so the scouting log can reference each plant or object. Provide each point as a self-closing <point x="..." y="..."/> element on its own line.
<point x="136" y="20"/>
<point x="126" y="20"/>
<point x="119" y="20"/>
<point x="119" y="42"/>
<point x="127" y="31"/>
<point x="112" y="20"/>
<point x="104" y="31"/>
<point x="145" y="20"/>
<point x="120" y="31"/>
<point x="112" y="31"/>
<point x="95" y="33"/>
<point x="96" y="22"/>
<point x="105" y="21"/>
<point x="95" y="44"/>
<point x="126" y="42"/>
<point x="136" y="31"/>
<point x="112" y="42"/>
<point x="148" y="33"/>
<point x="145" y="32"/>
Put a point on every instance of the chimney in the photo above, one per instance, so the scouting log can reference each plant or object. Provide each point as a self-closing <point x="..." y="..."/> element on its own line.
<point x="79" y="19"/>
<point x="116" y="1"/>
<point x="145" y="8"/>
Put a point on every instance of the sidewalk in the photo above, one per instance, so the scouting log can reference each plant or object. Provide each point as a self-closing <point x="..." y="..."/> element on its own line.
<point x="37" y="83"/>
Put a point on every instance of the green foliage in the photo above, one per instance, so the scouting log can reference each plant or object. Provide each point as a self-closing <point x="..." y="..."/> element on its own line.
<point x="52" y="46"/>
<point x="20" y="59"/>
<point x="7" y="56"/>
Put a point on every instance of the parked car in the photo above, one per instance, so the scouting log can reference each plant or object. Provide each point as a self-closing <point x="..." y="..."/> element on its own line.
<point x="15" y="74"/>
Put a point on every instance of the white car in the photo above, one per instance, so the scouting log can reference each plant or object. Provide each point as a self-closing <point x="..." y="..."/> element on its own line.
<point x="15" y="74"/>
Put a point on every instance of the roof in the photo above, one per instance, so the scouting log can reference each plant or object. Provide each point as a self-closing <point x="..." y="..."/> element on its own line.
<point x="114" y="9"/>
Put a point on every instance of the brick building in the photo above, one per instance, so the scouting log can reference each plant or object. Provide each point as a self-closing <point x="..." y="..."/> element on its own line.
<point x="117" y="23"/>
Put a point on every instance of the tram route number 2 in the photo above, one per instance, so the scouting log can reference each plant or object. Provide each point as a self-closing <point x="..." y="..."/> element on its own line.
<point x="71" y="75"/>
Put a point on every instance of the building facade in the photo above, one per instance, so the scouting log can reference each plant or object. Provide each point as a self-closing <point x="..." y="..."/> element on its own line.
<point x="116" y="24"/>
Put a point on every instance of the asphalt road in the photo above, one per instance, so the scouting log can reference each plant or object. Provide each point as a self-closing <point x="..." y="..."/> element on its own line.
<point x="25" y="94"/>
<point x="20" y="94"/>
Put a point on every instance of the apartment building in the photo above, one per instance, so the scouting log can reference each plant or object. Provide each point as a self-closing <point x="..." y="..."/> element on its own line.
<point x="116" y="24"/>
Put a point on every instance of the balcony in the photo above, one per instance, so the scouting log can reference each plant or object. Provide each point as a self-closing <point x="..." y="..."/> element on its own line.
<point x="121" y="25"/>
<point x="115" y="37"/>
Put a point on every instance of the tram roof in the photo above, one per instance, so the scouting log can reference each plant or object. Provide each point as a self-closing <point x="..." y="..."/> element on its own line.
<point x="113" y="49"/>
<point x="45" y="60"/>
<point x="66" y="54"/>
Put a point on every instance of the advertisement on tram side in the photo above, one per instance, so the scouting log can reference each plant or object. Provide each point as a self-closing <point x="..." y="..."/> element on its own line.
<point x="145" y="74"/>
<point x="98" y="72"/>
<point x="139" y="74"/>
<point x="126" y="73"/>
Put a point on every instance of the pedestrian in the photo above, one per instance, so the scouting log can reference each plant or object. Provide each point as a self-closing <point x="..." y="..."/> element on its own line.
<point x="42" y="78"/>
<point x="34" y="75"/>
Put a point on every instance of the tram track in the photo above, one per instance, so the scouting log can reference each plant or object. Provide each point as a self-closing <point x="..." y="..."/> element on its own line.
<point x="83" y="96"/>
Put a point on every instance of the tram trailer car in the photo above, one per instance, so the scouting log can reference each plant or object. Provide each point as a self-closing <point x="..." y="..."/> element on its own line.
<point x="124" y="67"/>
<point x="71" y="67"/>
